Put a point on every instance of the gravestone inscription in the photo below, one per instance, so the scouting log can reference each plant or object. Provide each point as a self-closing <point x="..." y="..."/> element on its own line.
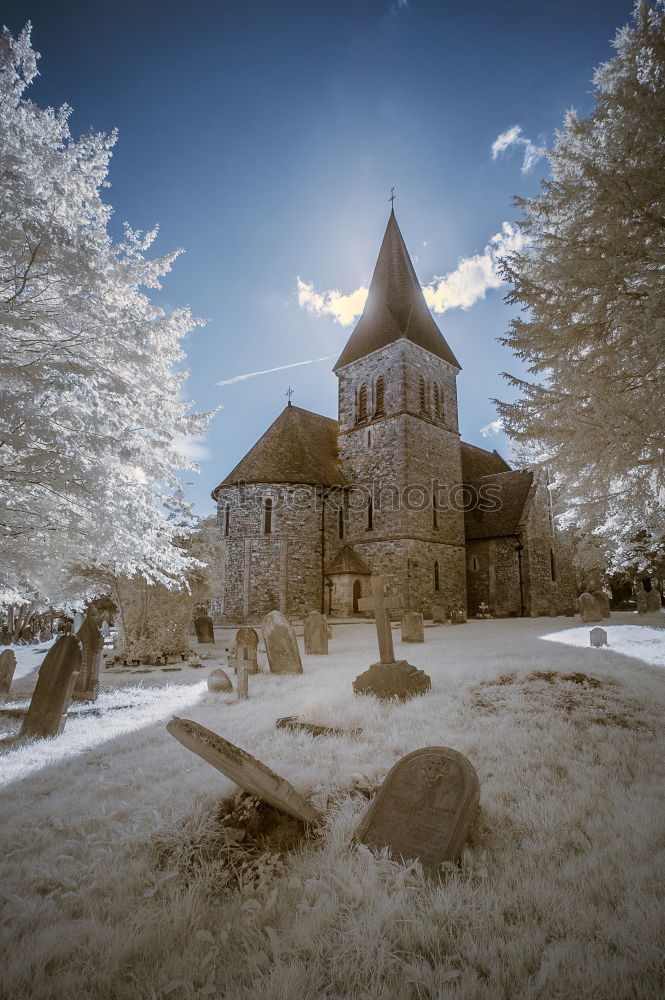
<point x="248" y="772"/>
<point x="425" y="807"/>
<point x="281" y="644"/>
<point x="598" y="637"/>
<point x="54" y="688"/>
<point x="316" y="633"/>
<point x="7" y="668"/>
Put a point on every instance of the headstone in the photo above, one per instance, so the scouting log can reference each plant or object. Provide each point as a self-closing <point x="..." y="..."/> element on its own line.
<point x="244" y="650"/>
<point x="598" y="637"/>
<point x="316" y="633"/>
<point x="412" y="627"/>
<point x="281" y="644"/>
<point x="204" y="629"/>
<point x="219" y="680"/>
<point x="294" y="724"/>
<point x="243" y="685"/>
<point x="92" y="641"/>
<point x="53" y="692"/>
<point x="641" y="600"/>
<point x="653" y="601"/>
<point x="245" y="770"/>
<point x="603" y="603"/>
<point x="589" y="610"/>
<point x="438" y="612"/>
<point x="7" y="668"/>
<point x="425" y="807"/>
<point x="389" y="678"/>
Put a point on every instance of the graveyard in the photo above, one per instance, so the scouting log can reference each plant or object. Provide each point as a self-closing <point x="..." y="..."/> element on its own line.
<point x="121" y="880"/>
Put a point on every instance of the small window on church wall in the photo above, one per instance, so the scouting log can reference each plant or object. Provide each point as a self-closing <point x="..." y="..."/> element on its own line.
<point x="379" y="394"/>
<point x="437" y="400"/>
<point x="369" y="439"/>
<point x="435" y="519"/>
<point x="474" y="565"/>
<point x="340" y="522"/>
<point x="267" y="516"/>
<point x="423" y="394"/>
<point x="436" y="576"/>
<point x="227" y="518"/>
<point x="362" y="403"/>
<point x="370" y="515"/>
<point x="552" y="565"/>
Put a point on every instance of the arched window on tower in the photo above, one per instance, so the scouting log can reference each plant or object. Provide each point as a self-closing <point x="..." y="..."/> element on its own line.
<point x="436" y="576"/>
<point x="435" y="519"/>
<point x="423" y="394"/>
<point x="437" y="400"/>
<point x="370" y="515"/>
<point x="340" y="522"/>
<point x="227" y="518"/>
<point x="552" y="566"/>
<point x="362" y="403"/>
<point x="267" y="516"/>
<point x="379" y="392"/>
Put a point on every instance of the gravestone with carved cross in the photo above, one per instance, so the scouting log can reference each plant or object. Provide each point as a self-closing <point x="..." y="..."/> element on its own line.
<point x="389" y="678"/>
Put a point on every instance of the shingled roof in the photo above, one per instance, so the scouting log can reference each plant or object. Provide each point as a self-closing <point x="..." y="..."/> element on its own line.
<point x="512" y="491"/>
<point x="299" y="447"/>
<point x="477" y="462"/>
<point x="347" y="560"/>
<point x="395" y="307"/>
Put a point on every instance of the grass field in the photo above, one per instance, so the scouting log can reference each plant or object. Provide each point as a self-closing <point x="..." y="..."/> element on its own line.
<point x="110" y="887"/>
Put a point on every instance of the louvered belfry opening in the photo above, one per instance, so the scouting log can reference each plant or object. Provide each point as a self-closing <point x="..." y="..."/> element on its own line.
<point x="379" y="409"/>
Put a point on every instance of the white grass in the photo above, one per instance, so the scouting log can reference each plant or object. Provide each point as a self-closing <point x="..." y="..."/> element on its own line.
<point x="559" y="896"/>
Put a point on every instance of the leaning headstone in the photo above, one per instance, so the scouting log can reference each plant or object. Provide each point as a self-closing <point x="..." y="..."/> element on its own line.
<point x="219" y="680"/>
<point x="589" y="610"/>
<point x="53" y="692"/>
<point x="92" y="640"/>
<point x="598" y="637"/>
<point x="7" y="668"/>
<point x="653" y="601"/>
<point x="204" y="629"/>
<point x="245" y="770"/>
<point x="295" y="725"/>
<point x="412" y="627"/>
<point x="281" y="644"/>
<point x="389" y="678"/>
<point x="425" y="808"/>
<point x="316" y="633"/>
<point x="603" y="602"/>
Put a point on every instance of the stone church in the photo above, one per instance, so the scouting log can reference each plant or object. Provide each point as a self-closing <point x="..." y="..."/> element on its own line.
<point x="318" y="505"/>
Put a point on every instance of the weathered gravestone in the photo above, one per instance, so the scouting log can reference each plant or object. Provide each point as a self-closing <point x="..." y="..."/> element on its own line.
<point x="602" y="602"/>
<point x="316" y="633"/>
<point x="7" y="668"/>
<point x="92" y="640"/>
<point x="53" y="692"/>
<point x="245" y="770"/>
<point x="598" y="637"/>
<point x="438" y="612"/>
<point x="204" y="629"/>
<point x="219" y="680"/>
<point x="243" y="652"/>
<point x="425" y="807"/>
<point x="295" y="725"/>
<point x="412" y="627"/>
<point x="243" y="683"/>
<point x="589" y="610"/>
<point x="389" y="678"/>
<point x="653" y="601"/>
<point x="281" y="644"/>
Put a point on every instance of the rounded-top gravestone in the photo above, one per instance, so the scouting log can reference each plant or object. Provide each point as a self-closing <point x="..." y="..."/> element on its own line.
<point x="204" y="629"/>
<point x="219" y="680"/>
<point x="316" y="633"/>
<point x="603" y="602"/>
<point x="281" y="644"/>
<point x="589" y="610"/>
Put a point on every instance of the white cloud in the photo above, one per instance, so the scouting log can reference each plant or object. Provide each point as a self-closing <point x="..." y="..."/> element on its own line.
<point x="489" y="430"/>
<point x="192" y="447"/>
<point x="514" y="136"/>
<point x="344" y="309"/>
<point x="268" y="371"/>
<point x="469" y="282"/>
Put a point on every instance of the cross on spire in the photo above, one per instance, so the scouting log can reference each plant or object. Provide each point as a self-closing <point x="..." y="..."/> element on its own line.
<point x="392" y="199"/>
<point x="289" y="393"/>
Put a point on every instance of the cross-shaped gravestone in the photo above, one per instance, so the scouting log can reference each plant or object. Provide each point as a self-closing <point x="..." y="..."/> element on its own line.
<point x="389" y="678"/>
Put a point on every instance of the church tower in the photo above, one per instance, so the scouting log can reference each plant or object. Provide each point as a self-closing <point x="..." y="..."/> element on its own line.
<point x="399" y="442"/>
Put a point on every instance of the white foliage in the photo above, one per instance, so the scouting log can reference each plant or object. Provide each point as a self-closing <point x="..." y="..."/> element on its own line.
<point x="592" y="327"/>
<point x="91" y="423"/>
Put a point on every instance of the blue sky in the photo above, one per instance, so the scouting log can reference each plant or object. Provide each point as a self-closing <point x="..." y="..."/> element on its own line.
<point x="264" y="138"/>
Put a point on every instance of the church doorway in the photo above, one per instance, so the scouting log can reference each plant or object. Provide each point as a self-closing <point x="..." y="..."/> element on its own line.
<point x="356" y="596"/>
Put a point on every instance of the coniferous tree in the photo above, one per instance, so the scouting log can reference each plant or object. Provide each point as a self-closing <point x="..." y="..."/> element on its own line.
<point x="591" y="285"/>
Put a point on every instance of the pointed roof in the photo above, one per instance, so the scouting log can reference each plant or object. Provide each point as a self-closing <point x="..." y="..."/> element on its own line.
<point x="347" y="560"/>
<point x="299" y="447"/>
<point x="477" y="462"/>
<point x="512" y="490"/>
<point x="395" y="307"/>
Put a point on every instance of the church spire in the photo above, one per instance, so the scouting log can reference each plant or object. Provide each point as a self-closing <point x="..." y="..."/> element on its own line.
<point x="395" y="306"/>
